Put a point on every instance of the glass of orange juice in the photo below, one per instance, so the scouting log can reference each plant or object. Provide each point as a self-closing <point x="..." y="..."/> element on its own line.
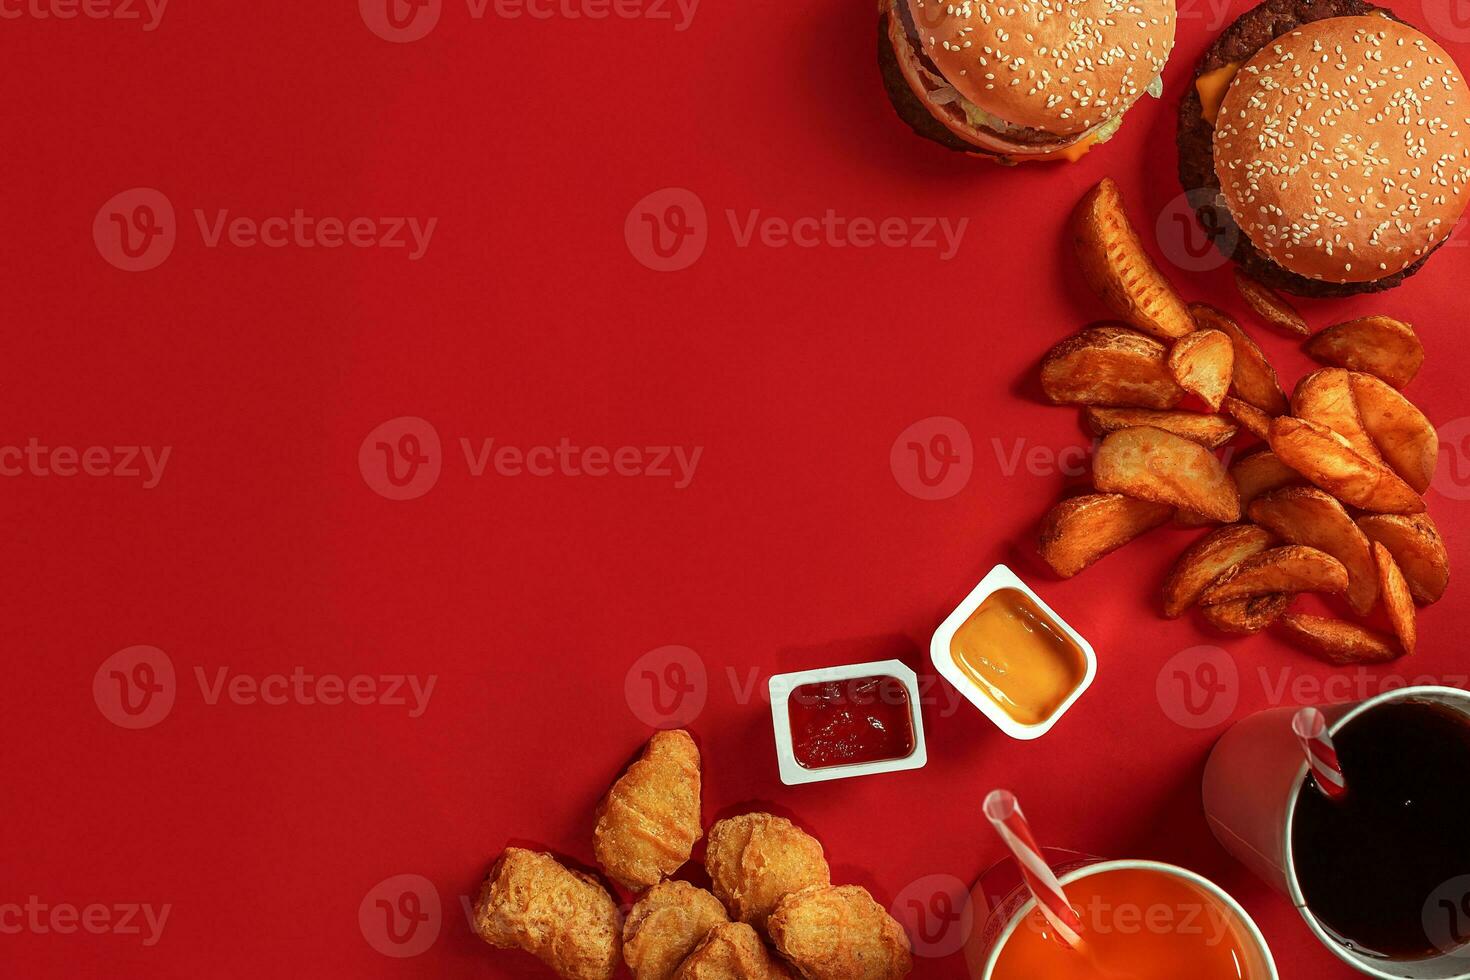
<point x="1141" y="920"/>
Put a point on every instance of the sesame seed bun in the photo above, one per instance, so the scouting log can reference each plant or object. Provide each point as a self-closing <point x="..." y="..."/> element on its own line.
<point x="1062" y="66"/>
<point x="1342" y="149"/>
<point x="1021" y="79"/>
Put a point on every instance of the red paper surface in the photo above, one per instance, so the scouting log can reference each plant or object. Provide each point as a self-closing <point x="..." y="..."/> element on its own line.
<point x="265" y="548"/>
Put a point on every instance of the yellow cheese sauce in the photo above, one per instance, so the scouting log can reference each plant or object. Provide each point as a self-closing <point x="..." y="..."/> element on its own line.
<point x="1019" y="656"/>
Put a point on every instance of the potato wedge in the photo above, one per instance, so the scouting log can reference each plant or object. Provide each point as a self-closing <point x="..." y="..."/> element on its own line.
<point x="1152" y="464"/>
<point x="1326" y="397"/>
<point x="1119" y="270"/>
<point x="1078" y="531"/>
<point x="1289" y="568"/>
<point x="1271" y="306"/>
<point x="1261" y="473"/>
<point x="1109" y="365"/>
<point x="1202" y="364"/>
<point x="1417" y="549"/>
<point x="1326" y="459"/>
<point x="1210" y="431"/>
<point x="1396" y="598"/>
<point x="1378" y="345"/>
<point x="1255" y="421"/>
<point x="1207" y="559"/>
<point x="1407" y="441"/>
<point x="1247" y="615"/>
<point x="1306" y="515"/>
<point x="1338" y="641"/>
<point x="1252" y="378"/>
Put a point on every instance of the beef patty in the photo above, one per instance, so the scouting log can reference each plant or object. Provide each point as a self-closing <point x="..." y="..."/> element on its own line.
<point x="1251" y="32"/>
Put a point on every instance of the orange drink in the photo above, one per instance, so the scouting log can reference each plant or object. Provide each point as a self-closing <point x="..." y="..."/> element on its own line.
<point x="1140" y="921"/>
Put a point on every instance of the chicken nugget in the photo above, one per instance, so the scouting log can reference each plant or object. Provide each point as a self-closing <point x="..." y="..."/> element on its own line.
<point x="664" y="927"/>
<point x="649" y="821"/>
<point x="732" y="951"/>
<point x="564" y="918"/>
<point x="840" y="934"/>
<point x="756" y="859"/>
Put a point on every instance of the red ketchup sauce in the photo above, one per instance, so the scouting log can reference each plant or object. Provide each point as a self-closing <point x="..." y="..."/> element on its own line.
<point x="840" y="723"/>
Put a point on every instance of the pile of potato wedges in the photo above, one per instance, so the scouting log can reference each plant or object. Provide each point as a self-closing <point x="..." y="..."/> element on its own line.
<point x="1331" y="503"/>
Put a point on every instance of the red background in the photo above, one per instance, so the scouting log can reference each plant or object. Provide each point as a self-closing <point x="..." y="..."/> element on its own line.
<point x="529" y="599"/>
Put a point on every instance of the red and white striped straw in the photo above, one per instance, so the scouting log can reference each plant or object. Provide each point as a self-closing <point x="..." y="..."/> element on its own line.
<point x="1311" y="729"/>
<point x="1005" y="816"/>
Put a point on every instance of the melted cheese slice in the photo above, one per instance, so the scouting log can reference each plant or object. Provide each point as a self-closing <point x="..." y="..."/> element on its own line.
<point x="1212" y="87"/>
<point x="1071" y="154"/>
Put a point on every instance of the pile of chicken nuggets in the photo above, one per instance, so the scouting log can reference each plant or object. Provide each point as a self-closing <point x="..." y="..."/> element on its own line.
<point x="772" y="912"/>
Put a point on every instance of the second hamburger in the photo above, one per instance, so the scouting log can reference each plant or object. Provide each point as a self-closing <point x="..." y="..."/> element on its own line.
<point x="1326" y="146"/>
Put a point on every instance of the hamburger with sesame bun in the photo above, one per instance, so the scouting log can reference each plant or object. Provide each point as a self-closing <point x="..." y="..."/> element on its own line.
<point x="1326" y="146"/>
<point x="1021" y="80"/>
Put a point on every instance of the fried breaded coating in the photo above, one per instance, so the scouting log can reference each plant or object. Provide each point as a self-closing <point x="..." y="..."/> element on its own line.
<point x="732" y="952"/>
<point x="664" y="927"/>
<point x="649" y="821"/>
<point x="756" y="859"/>
<point x="840" y="934"/>
<point x="564" y="918"/>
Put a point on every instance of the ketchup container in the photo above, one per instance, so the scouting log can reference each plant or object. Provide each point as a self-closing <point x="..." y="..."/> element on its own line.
<point x="841" y="722"/>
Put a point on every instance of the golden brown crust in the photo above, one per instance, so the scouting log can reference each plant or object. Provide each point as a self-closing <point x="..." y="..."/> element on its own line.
<point x="756" y="859"/>
<point x="1152" y="464"/>
<point x="1246" y="616"/>
<point x="1378" y="345"/>
<point x="1203" y="364"/>
<point x="1396" y="598"/>
<point x="564" y="918"/>
<point x="1253" y="379"/>
<point x="1119" y="269"/>
<point x="732" y="952"/>
<point x="1252" y="419"/>
<point x="1080" y="530"/>
<point x="1271" y="306"/>
<point x="1210" y="431"/>
<point x="1326" y="397"/>
<point x="1337" y="641"/>
<point x="1326" y="459"/>
<point x="1261" y="473"/>
<point x="840" y="934"/>
<point x="1112" y="366"/>
<point x="1207" y="559"/>
<point x="1289" y="568"/>
<point x="649" y="822"/>
<point x="1417" y="548"/>
<point x="1405" y="438"/>
<point x="665" y="926"/>
<point x="1307" y="516"/>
